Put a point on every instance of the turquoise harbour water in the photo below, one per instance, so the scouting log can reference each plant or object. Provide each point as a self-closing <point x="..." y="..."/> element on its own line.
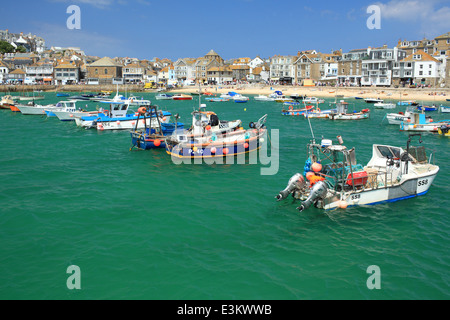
<point x="140" y="227"/>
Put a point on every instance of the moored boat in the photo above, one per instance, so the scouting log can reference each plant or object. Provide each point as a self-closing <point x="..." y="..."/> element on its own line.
<point x="291" y="111"/>
<point x="444" y="130"/>
<point x="343" y="114"/>
<point x="427" y="108"/>
<point x="419" y="122"/>
<point x="333" y="179"/>
<point x="6" y="102"/>
<point x="185" y="145"/>
<point x="151" y="138"/>
<point x="116" y="117"/>
<point x="164" y="96"/>
<point x="373" y="100"/>
<point x="445" y="109"/>
<point x="182" y="96"/>
<point x="382" y="105"/>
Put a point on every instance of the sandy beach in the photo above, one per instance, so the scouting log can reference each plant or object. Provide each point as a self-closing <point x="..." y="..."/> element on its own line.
<point x="417" y="94"/>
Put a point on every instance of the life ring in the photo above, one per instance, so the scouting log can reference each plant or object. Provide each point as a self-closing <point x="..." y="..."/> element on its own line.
<point x="142" y="110"/>
<point x="318" y="109"/>
<point x="291" y="108"/>
<point x="105" y="112"/>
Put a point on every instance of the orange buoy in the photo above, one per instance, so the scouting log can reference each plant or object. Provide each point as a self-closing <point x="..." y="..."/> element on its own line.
<point x="213" y="150"/>
<point x="309" y="175"/>
<point x="225" y="151"/>
<point x="157" y="142"/>
<point x="316" y="167"/>
<point x="246" y="145"/>
<point x="208" y="127"/>
<point x="342" y="204"/>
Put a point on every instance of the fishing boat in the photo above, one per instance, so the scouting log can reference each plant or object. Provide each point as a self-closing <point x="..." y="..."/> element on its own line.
<point x="297" y="96"/>
<point x="427" y="108"/>
<point x="216" y="99"/>
<point x="382" y="105"/>
<point x="444" y="130"/>
<point x="164" y="96"/>
<point x="317" y="113"/>
<point x="182" y="96"/>
<point x="313" y="100"/>
<point x="264" y="98"/>
<point x="419" y="122"/>
<point x="332" y="177"/>
<point x="150" y="138"/>
<point x="239" y="98"/>
<point x="6" y="102"/>
<point x="202" y="144"/>
<point x="31" y="98"/>
<point x="283" y="99"/>
<point x="116" y="117"/>
<point x="343" y="114"/>
<point x="359" y="98"/>
<point x="445" y="109"/>
<point x="71" y="115"/>
<point x="407" y="103"/>
<point x="60" y="95"/>
<point x="398" y="118"/>
<point x="372" y="100"/>
<point x="296" y="111"/>
<point x="34" y="109"/>
<point x="62" y="106"/>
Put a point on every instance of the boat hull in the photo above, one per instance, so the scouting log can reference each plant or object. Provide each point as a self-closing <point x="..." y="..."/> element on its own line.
<point x="238" y="144"/>
<point x="351" y="116"/>
<point x="409" y="188"/>
<point x="31" y="110"/>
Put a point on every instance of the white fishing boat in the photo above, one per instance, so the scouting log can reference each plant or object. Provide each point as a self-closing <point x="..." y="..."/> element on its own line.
<point x="164" y="96"/>
<point x="239" y="98"/>
<point x="398" y="118"/>
<point x="283" y="99"/>
<point x="62" y="106"/>
<point x="34" y="109"/>
<point x="341" y="113"/>
<point x="445" y="109"/>
<point x="382" y="105"/>
<point x="313" y="100"/>
<point x="264" y="98"/>
<point x="420" y="123"/>
<point x="333" y="179"/>
<point x="373" y="100"/>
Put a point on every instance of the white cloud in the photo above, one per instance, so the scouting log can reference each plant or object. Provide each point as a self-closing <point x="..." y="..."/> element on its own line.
<point x="431" y="17"/>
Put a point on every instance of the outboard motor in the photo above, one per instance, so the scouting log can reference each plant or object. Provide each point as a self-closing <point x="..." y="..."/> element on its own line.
<point x="297" y="182"/>
<point x="318" y="192"/>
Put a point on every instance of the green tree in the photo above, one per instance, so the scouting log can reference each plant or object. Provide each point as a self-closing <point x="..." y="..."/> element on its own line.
<point x="6" y="47"/>
<point x="21" y="49"/>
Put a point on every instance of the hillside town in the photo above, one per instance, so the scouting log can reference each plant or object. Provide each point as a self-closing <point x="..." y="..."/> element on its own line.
<point x="412" y="63"/>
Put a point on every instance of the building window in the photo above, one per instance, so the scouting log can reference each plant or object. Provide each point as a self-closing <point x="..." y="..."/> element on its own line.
<point x="106" y="71"/>
<point x="96" y="71"/>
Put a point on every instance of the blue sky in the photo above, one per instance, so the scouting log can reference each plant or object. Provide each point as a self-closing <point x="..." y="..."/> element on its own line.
<point x="233" y="28"/>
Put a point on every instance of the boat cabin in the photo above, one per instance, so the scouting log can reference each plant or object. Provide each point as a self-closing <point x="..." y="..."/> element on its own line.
<point x="69" y="106"/>
<point x="116" y="109"/>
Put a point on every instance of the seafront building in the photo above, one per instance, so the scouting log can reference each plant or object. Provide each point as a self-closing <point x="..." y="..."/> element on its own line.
<point x="412" y="62"/>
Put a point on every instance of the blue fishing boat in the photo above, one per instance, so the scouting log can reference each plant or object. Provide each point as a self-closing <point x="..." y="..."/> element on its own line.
<point x="62" y="94"/>
<point x="152" y="138"/>
<point x="427" y="108"/>
<point x="116" y="117"/>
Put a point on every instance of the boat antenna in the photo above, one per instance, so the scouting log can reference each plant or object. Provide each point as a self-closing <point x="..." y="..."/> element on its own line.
<point x="310" y="127"/>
